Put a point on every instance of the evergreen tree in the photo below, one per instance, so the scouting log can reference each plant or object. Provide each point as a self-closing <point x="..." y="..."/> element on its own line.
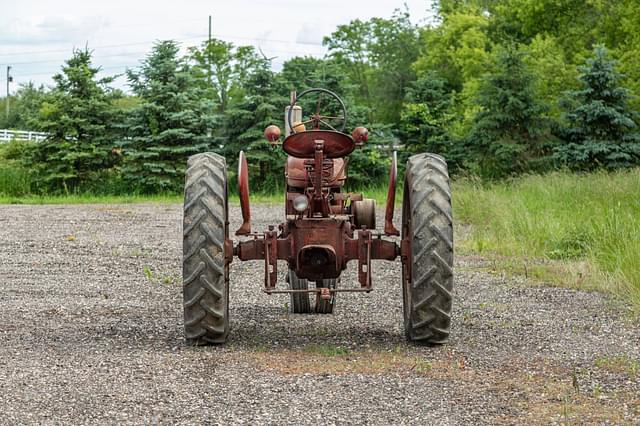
<point x="426" y="116"/>
<point x="508" y="131"/>
<point x="601" y="129"/>
<point x="244" y="126"/>
<point x="78" y="115"/>
<point x="172" y="121"/>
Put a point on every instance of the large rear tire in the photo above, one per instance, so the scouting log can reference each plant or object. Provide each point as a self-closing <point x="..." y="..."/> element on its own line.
<point x="427" y="222"/>
<point x="205" y="273"/>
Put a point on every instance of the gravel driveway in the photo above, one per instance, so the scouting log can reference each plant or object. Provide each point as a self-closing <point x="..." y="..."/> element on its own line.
<point x="91" y="332"/>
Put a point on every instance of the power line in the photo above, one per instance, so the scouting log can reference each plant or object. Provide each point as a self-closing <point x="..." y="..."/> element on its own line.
<point x="103" y="46"/>
<point x="115" y="55"/>
<point x="220" y="36"/>
<point x="271" y="40"/>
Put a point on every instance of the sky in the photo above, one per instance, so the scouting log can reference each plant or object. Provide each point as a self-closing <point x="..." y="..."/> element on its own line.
<point x="37" y="36"/>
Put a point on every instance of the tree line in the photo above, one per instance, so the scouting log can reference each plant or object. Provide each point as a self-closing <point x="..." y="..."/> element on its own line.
<point x="499" y="88"/>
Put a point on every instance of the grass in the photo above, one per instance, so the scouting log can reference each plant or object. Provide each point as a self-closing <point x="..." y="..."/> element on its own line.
<point x="580" y="230"/>
<point x="326" y="350"/>
<point x="89" y="199"/>
<point x="619" y="364"/>
<point x="13" y="180"/>
<point x="9" y="197"/>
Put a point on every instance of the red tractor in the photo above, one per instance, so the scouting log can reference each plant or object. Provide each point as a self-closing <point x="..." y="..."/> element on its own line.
<point x="324" y="229"/>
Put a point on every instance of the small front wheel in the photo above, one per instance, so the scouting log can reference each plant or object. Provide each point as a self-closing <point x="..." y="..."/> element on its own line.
<point x="300" y="302"/>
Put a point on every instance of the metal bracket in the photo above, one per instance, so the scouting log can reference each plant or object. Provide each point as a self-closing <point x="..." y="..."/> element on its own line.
<point x="270" y="259"/>
<point x="364" y="258"/>
<point x="405" y="256"/>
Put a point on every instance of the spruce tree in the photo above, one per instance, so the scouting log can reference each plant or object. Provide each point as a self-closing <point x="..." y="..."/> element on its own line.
<point x="78" y="115"/>
<point x="426" y="116"/>
<point x="508" y="131"/>
<point x="173" y="121"/>
<point x="244" y="126"/>
<point x="601" y="127"/>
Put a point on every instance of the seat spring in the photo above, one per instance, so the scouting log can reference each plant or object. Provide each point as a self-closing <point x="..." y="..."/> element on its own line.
<point x="327" y="171"/>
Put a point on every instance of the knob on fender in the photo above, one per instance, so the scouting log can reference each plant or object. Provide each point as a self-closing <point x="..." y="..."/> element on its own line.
<point x="360" y="135"/>
<point x="272" y="133"/>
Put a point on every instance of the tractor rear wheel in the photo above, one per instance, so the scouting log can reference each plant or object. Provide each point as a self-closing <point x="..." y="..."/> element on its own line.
<point x="427" y="274"/>
<point x="205" y="272"/>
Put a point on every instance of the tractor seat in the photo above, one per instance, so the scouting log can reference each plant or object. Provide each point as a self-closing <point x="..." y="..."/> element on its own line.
<point x="296" y="173"/>
<point x="303" y="144"/>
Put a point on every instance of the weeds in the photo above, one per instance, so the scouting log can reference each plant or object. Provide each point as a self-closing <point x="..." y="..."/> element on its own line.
<point x="619" y="364"/>
<point x="582" y="230"/>
<point x="154" y="277"/>
<point x="326" y="350"/>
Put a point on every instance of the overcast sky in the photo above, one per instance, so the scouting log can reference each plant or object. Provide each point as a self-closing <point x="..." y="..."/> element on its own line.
<point x="37" y="36"/>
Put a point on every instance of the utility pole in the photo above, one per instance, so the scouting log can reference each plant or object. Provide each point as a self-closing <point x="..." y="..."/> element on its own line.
<point x="9" y="80"/>
<point x="208" y="50"/>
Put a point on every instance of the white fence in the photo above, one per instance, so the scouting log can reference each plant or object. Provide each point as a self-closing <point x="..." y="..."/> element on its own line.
<point x="21" y="135"/>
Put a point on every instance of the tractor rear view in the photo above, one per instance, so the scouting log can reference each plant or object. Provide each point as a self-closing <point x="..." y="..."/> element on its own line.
<point x="324" y="228"/>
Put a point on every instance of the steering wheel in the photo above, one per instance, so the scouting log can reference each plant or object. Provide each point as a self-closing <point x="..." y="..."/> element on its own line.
<point x="318" y="119"/>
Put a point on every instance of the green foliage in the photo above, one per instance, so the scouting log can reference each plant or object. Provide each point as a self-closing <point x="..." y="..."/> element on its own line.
<point x="368" y="166"/>
<point x="508" y="132"/>
<point x="24" y="108"/>
<point x="457" y="49"/>
<point x="244" y="126"/>
<point x="79" y="117"/>
<point x="15" y="180"/>
<point x="377" y="56"/>
<point x="222" y="70"/>
<point x="173" y="121"/>
<point x="554" y="73"/>
<point x="427" y="116"/>
<point x="601" y="128"/>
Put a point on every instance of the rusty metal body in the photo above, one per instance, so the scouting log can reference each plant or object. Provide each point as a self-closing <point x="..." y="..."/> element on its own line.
<point x="320" y="238"/>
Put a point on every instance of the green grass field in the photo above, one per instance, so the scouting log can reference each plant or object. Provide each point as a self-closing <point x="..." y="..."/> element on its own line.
<point x="576" y="230"/>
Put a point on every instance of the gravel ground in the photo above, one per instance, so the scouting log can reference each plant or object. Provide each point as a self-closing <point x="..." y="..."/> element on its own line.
<point x="91" y="332"/>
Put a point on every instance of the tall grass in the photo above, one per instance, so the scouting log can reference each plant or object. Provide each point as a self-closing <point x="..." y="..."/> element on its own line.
<point x="590" y="222"/>
<point x="14" y="180"/>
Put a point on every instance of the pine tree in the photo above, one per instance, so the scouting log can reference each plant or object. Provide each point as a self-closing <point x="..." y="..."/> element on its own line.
<point x="173" y="121"/>
<point x="601" y="130"/>
<point x="244" y="126"/>
<point x="78" y="115"/>
<point x="426" y="116"/>
<point x="508" y="131"/>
